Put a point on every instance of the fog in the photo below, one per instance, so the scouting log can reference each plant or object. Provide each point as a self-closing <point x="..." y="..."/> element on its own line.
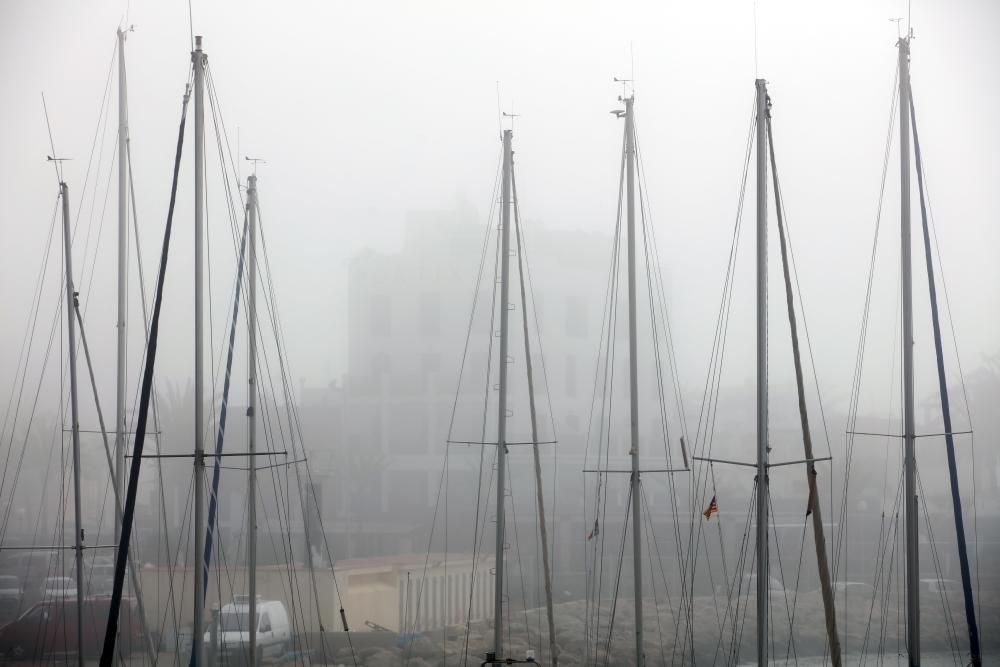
<point x="378" y="129"/>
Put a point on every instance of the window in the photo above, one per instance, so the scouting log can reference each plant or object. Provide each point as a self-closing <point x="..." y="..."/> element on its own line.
<point x="381" y="364"/>
<point x="436" y="606"/>
<point x="576" y="316"/>
<point x="380" y="312"/>
<point x="573" y="423"/>
<point x="265" y="623"/>
<point x="234" y="621"/>
<point x="407" y="428"/>
<point x="38" y="614"/>
<point x="429" y="363"/>
<point x="430" y="314"/>
<point x="570" y="375"/>
<point x="404" y="493"/>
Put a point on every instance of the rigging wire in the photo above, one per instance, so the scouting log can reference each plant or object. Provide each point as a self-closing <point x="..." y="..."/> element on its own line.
<point x="295" y="426"/>
<point x="815" y="505"/>
<point x="37" y="301"/>
<point x="961" y="377"/>
<point x="520" y="567"/>
<point x="293" y="421"/>
<point x="708" y="412"/>
<point x="651" y="545"/>
<point x="784" y="591"/>
<point x="205" y="558"/>
<point x="970" y="614"/>
<point x="618" y="579"/>
<point x="164" y="533"/>
<point x="882" y="578"/>
<point x="54" y="158"/>
<point x="854" y="399"/>
<point x="477" y="533"/>
<point x="658" y="312"/>
<point x="541" y="545"/>
<point x="951" y="630"/>
<point x="595" y="566"/>
<point x="21" y="371"/>
<point x="603" y="418"/>
<point x="35" y="308"/>
<point x="127" y="516"/>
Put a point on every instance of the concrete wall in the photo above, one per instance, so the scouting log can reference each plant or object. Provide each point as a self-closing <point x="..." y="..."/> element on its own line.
<point x="384" y="591"/>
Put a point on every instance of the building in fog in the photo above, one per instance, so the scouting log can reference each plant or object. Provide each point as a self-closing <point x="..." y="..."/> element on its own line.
<point x="408" y="318"/>
<point x="384" y="430"/>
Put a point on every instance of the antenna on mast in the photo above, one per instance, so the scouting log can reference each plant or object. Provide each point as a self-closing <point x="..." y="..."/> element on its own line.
<point x="631" y="62"/>
<point x="625" y="83"/>
<point x="48" y="125"/>
<point x="510" y="115"/>
<point x="255" y="161"/>
<point x="499" y="112"/>
<point x="897" y="21"/>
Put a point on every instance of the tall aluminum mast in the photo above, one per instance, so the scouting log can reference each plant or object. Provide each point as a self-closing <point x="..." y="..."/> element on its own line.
<point x="633" y="373"/>
<point x="814" y="506"/>
<point x="910" y="507"/>
<point x="75" y="416"/>
<point x="199" y="371"/>
<point x="119" y="468"/>
<point x="252" y="414"/>
<point x="763" y="577"/>
<point x="505" y="197"/>
<point x="539" y="494"/>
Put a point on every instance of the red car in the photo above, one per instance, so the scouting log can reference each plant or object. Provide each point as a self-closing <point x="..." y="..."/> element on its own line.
<point x="49" y="628"/>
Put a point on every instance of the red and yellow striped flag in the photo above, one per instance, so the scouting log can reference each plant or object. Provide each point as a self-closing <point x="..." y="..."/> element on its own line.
<point x="713" y="508"/>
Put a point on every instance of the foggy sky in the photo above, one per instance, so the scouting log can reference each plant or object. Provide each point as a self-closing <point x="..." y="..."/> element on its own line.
<point x="365" y="111"/>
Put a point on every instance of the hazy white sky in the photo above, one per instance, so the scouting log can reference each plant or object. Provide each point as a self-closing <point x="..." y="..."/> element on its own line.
<point x="367" y="110"/>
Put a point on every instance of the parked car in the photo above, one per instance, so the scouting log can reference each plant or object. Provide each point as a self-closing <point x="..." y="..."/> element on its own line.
<point x="31" y="567"/>
<point x="947" y="586"/>
<point x="102" y="561"/>
<point x="233" y="632"/>
<point x="49" y="628"/>
<point x="103" y="586"/>
<point x="851" y="587"/>
<point x="750" y="584"/>
<point x="11" y="596"/>
<point x="58" y="587"/>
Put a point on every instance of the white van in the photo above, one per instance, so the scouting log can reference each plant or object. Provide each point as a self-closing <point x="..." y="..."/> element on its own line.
<point x="233" y="633"/>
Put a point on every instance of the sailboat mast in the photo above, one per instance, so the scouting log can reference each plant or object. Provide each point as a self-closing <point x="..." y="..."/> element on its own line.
<point x="539" y="489"/>
<point x="252" y="413"/>
<point x="119" y="468"/>
<point x="75" y="417"/>
<point x="763" y="578"/>
<point x="505" y="197"/>
<point x="976" y="658"/>
<point x="199" y="371"/>
<point x="814" y="508"/>
<point x="909" y="453"/>
<point x="633" y="377"/>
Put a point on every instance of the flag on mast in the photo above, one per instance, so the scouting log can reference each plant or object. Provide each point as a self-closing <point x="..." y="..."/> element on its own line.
<point x="713" y="508"/>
